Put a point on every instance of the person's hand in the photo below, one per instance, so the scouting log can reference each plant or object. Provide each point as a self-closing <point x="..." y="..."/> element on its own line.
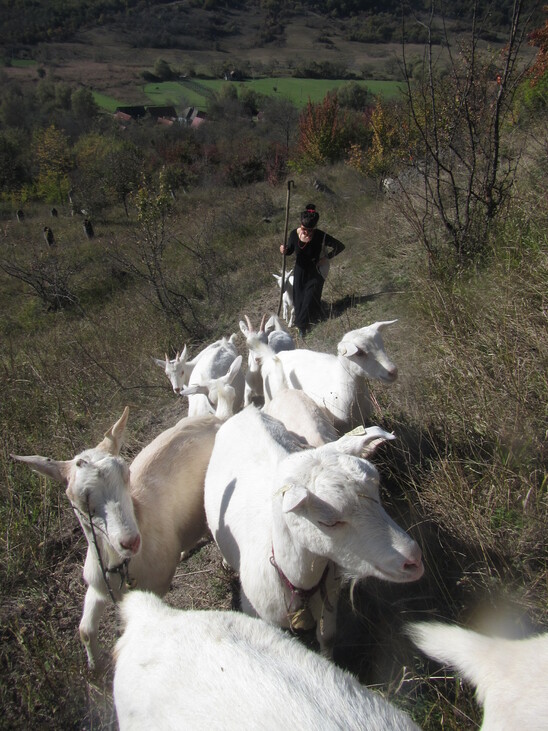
<point x="283" y="249"/>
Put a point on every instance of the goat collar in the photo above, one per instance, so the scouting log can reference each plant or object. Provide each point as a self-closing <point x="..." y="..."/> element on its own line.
<point x="303" y="594"/>
<point x="122" y="568"/>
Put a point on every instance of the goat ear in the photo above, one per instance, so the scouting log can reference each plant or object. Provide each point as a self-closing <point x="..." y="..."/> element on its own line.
<point x="234" y="368"/>
<point x="112" y="441"/>
<point x="159" y="362"/>
<point x="294" y="497"/>
<point x="346" y="348"/>
<point x="244" y="328"/>
<point x="194" y="389"/>
<point x="58" y="471"/>
<point x="385" y="323"/>
<point x="359" y="444"/>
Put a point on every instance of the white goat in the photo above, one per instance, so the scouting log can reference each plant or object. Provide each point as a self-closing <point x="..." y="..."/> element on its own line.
<point x="288" y="308"/>
<point x="223" y="671"/>
<point x="294" y="408"/>
<point x="509" y="675"/>
<point x="279" y="337"/>
<point x="137" y="522"/>
<point x="212" y="362"/>
<point x="292" y="521"/>
<point x="338" y="383"/>
<point x="179" y="369"/>
<point x="272" y="334"/>
<point x="300" y="415"/>
<point x="219" y="390"/>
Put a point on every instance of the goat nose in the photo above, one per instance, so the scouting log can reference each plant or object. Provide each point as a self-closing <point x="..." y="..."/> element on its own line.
<point x="132" y="544"/>
<point x="414" y="563"/>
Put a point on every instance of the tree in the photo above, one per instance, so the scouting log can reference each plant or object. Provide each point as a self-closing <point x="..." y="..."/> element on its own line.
<point x="83" y="104"/>
<point x="321" y="132"/>
<point x="162" y="70"/>
<point x="539" y="38"/>
<point x="149" y="258"/>
<point x="280" y="121"/>
<point x="52" y="151"/>
<point x="462" y="174"/>
<point x="353" y="96"/>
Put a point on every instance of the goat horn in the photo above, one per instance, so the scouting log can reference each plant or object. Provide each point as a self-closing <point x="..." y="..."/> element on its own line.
<point x="261" y="328"/>
<point x="249" y="325"/>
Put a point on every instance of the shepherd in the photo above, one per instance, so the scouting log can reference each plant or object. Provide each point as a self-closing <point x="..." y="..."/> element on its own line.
<point x="313" y="249"/>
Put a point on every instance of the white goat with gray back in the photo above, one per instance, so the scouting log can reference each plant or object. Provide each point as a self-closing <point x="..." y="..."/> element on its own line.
<point x="212" y="362"/>
<point x="294" y="408"/>
<point x="219" y="390"/>
<point x="180" y="368"/>
<point x="509" y="675"/>
<point x="288" y="308"/>
<point x="223" y="671"/>
<point x="272" y="334"/>
<point x="137" y="520"/>
<point x="338" y="383"/>
<point x="292" y="522"/>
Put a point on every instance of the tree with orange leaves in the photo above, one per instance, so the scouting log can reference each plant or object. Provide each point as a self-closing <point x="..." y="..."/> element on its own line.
<point x="539" y="38"/>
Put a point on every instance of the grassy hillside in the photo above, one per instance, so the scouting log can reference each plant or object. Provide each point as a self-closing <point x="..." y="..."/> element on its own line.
<point x="466" y="475"/>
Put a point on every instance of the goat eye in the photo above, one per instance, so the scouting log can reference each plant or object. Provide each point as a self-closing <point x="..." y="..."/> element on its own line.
<point x="332" y="525"/>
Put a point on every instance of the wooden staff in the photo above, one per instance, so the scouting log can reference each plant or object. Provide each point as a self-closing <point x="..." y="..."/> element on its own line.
<point x="282" y="288"/>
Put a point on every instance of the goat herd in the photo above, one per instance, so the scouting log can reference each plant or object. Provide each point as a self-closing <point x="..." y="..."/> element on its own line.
<point x="275" y="464"/>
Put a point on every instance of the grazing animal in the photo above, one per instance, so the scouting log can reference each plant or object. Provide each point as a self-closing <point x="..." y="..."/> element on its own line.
<point x="273" y="334"/>
<point x="88" y="228"/>
<point x="279" y="337"/>
<point x="338" y="383"/>
<point x="219" y="390"/>
<point x="20" y="215"/>
<point x="292" y="522"/>
<point x="509" y="675"/>
<point x="48" y="236"/>
<point x="214" y="361"/>
<point x="223" y="671"/>
<point x="54" y="213"/>
<point x="288" y="307"/>
<point x="137" y="521"/>
<point x="302" y="417"/>
<point x="294" y="408"/>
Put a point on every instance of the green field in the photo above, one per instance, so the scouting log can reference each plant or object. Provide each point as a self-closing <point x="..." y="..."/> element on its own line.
<point x="108" y="103"/>
<point x="19" y="63"/>
<point x="195" y="92"/>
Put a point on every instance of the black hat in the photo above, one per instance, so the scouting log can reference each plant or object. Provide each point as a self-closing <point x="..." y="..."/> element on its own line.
<point x="310" y="216"/>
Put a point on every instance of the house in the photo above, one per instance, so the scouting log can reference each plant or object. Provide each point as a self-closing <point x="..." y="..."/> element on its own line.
<point x="159" y="112"/>
<point x="192" y="117"/>
<point x="126" y="113"/>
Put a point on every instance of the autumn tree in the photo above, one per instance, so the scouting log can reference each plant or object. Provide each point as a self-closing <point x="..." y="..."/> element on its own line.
<point x="539" y="39"/>
<point x="52" y="152"/>
<point x="321" y="132"/>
